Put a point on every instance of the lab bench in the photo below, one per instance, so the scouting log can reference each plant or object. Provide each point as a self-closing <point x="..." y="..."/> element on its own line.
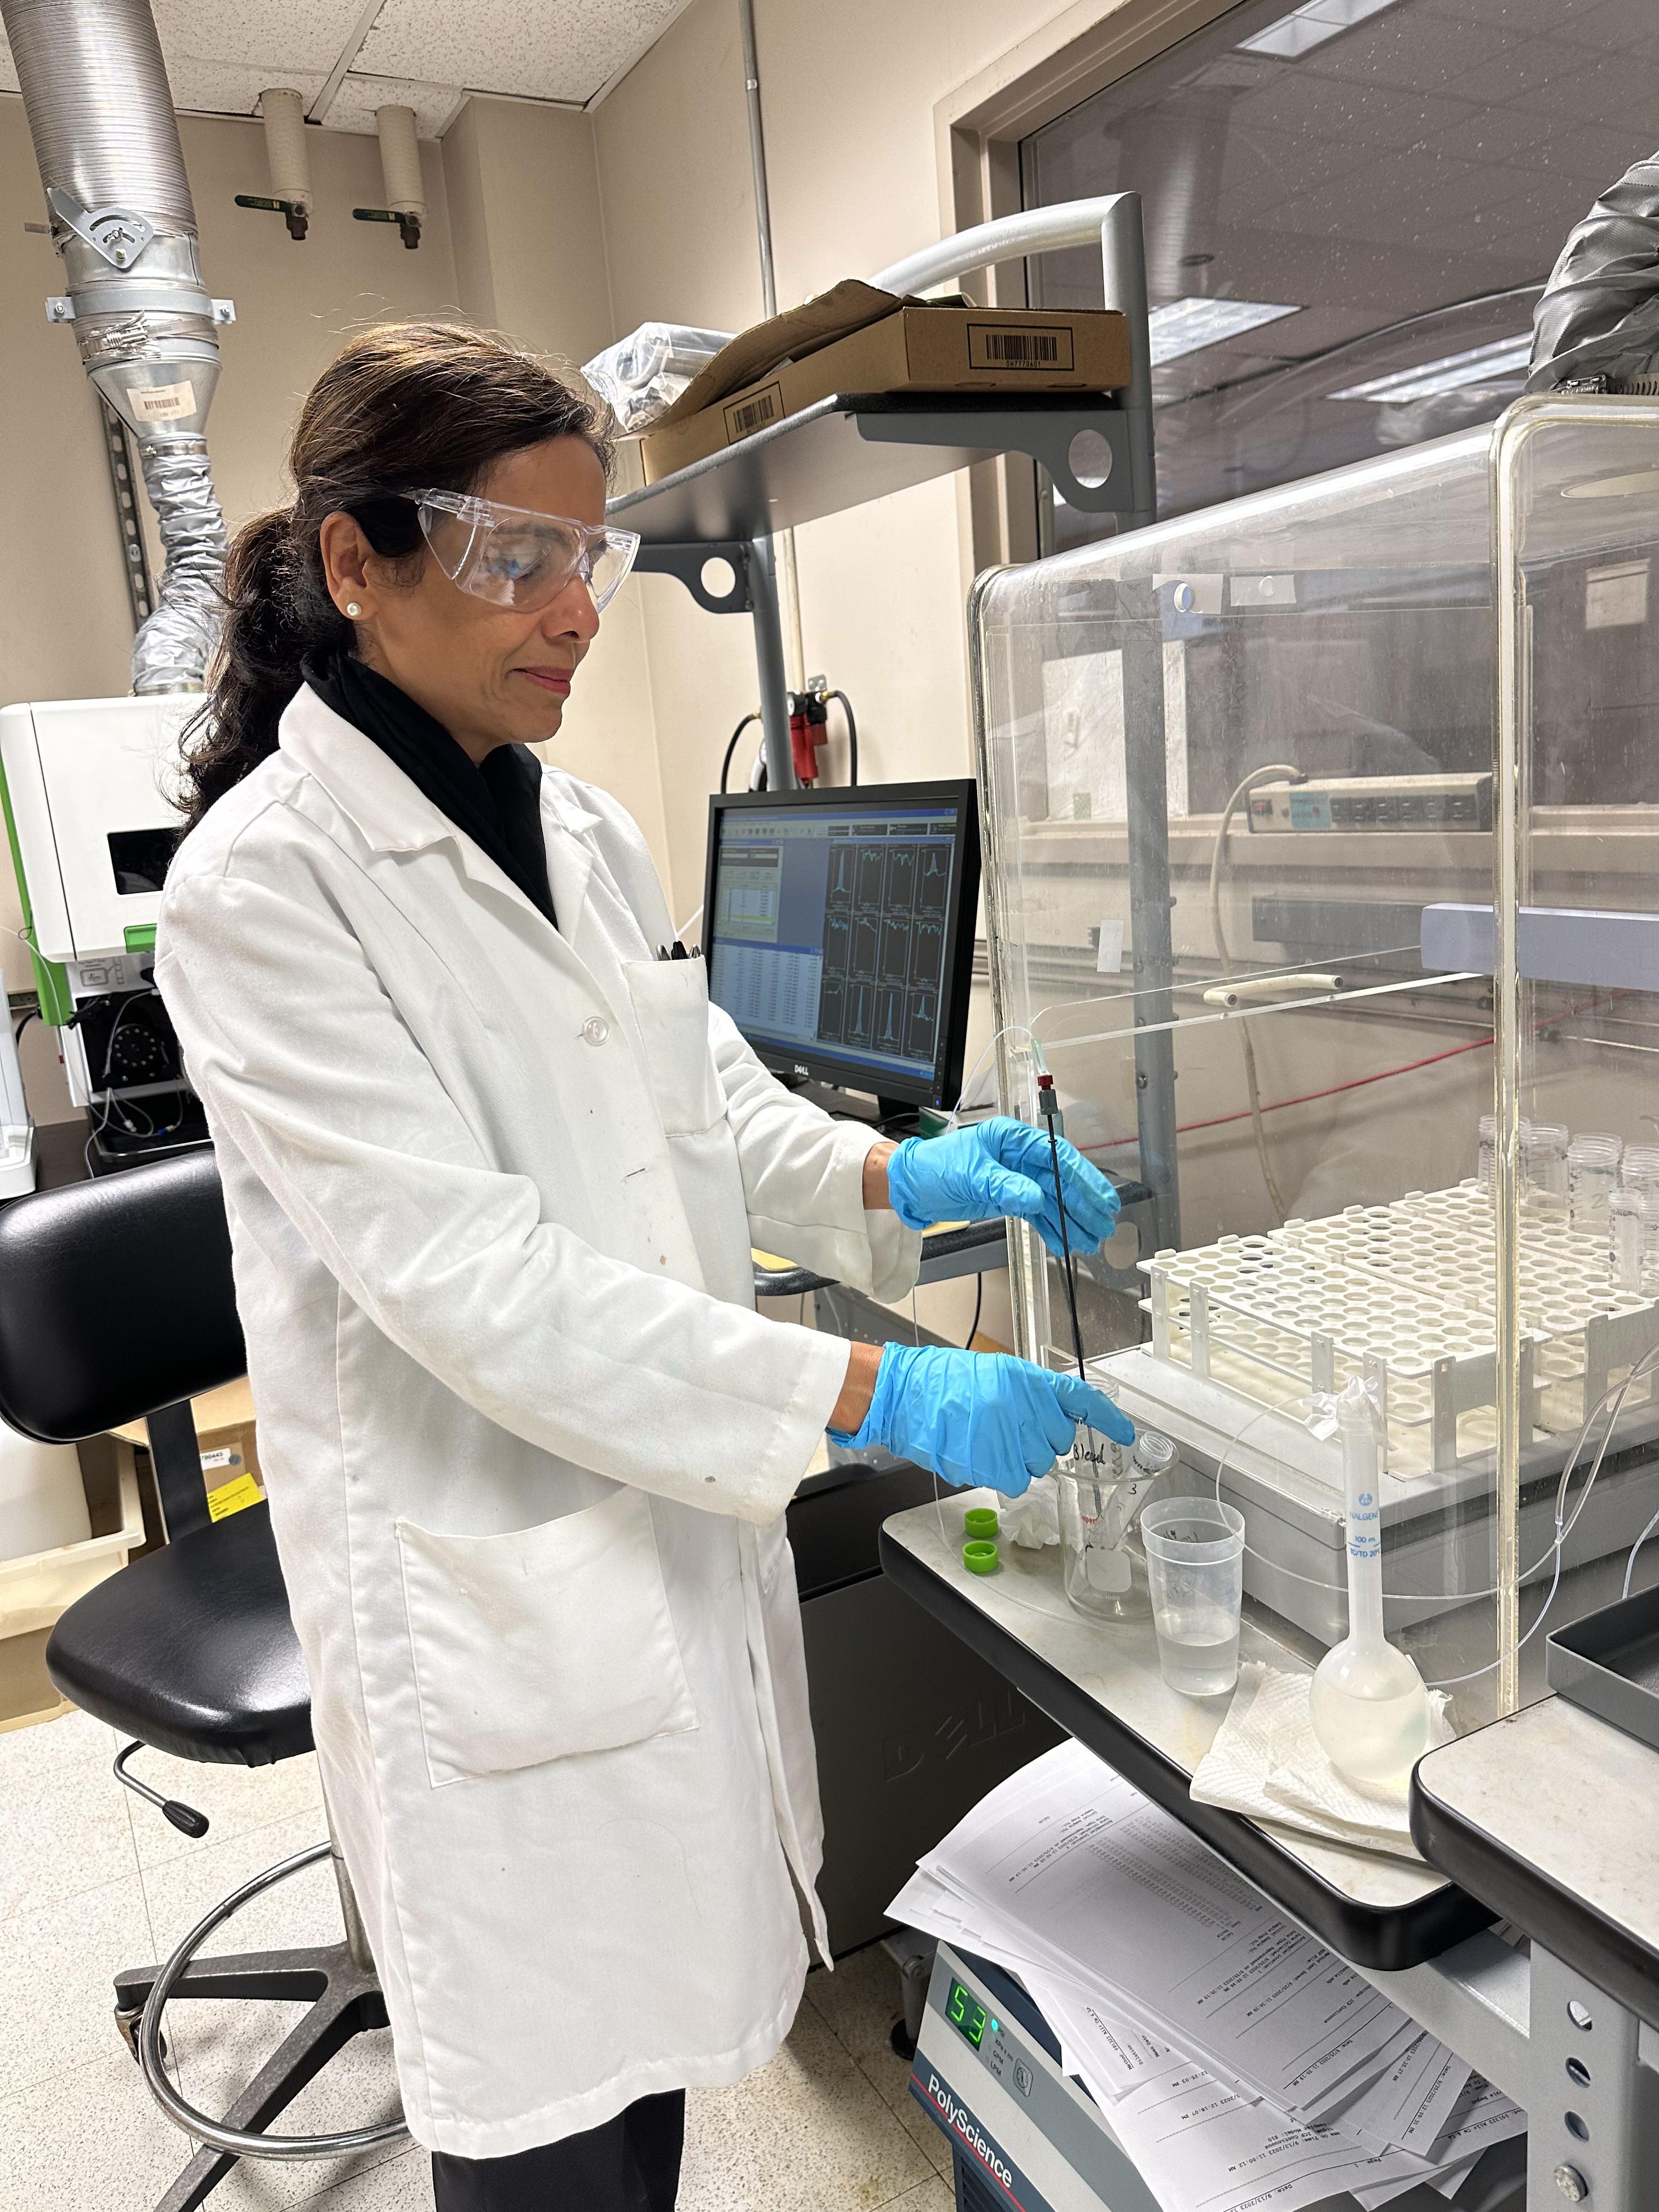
<point x="1545" y="1818"/>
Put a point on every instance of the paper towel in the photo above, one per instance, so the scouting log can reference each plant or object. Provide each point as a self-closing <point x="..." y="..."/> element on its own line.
<point x="1266" y="1762"/>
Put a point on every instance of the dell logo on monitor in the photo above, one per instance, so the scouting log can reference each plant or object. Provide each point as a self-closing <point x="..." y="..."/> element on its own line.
<point x="801" y="1071"/>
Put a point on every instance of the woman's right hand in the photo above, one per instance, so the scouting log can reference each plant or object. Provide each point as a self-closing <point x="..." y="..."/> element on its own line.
<point x="979" y="1419"/>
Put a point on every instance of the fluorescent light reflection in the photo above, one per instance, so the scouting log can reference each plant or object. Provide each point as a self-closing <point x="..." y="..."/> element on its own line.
<point x="1184" y="327"/>
<point x="1289" y="37"/>
<point x="1454" y="372"/>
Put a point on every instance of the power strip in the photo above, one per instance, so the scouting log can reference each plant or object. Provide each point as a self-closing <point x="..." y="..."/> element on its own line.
<point x="1373" y="802"/>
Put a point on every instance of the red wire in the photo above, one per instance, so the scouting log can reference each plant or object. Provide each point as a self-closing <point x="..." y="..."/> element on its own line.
<point x="1358" y="1083"/>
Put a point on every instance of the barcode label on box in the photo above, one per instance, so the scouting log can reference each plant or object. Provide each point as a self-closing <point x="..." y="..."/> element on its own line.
<point x="745" y="416"/>
<point x="1006" y="345"/>
<point x="161" y="402"/>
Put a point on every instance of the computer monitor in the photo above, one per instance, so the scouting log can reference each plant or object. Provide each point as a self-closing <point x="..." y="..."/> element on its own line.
<point x="839" y="930"/>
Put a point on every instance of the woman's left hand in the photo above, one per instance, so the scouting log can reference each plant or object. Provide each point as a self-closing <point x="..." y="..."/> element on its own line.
<point x="1001" y="1167"/>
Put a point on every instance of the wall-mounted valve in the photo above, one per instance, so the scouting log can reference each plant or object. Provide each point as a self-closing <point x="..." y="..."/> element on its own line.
<point x="283" y="113"/>
<point x="400" y="167"/>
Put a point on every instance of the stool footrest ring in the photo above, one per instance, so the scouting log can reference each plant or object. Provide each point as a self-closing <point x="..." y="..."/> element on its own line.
<point x="340" y="2006"/>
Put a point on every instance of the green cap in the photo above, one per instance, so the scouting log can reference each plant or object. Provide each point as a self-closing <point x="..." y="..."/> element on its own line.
<point x="980" y="1558"/>
<point x="981" y="1521"/>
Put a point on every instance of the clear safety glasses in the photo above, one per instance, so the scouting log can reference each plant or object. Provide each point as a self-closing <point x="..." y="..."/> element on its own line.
<point x="514" y="557"/>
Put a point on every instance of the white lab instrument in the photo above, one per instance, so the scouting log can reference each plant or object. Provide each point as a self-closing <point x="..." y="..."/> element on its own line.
<point x="16" y="1129"/>
<point x="89" y="787"/>
<point x="1369" y="1707"/>
<point x="90" y="784"/>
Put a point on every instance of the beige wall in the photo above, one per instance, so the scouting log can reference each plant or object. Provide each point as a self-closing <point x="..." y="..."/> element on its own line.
<point x="523" y="189"/>
<point x="850" y="94"/>
<point x="65" y="631"/>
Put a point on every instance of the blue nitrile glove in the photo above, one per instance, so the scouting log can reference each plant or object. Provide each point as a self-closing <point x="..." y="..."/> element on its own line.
<point x="979" y="1417"/>
<point x="1000" y="1167"/>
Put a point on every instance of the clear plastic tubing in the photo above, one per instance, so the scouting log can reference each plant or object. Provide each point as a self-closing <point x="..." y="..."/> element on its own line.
<point x="1592" y="1177"/>
<point x="1625" y="1224"/>
<point x="1368" y="1704"/>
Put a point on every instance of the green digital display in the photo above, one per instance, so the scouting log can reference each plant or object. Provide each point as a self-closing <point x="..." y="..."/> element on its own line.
<point x="963" y="2012"/>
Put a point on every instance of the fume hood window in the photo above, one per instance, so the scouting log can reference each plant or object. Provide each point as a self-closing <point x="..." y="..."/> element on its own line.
<point x="1351" y="208"/>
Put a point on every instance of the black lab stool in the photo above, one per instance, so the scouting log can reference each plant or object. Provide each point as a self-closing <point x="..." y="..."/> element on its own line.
<point x="117" y="1302"/>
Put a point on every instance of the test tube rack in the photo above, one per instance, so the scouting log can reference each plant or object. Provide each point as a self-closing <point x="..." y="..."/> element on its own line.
<point x="1403" y="1295"/>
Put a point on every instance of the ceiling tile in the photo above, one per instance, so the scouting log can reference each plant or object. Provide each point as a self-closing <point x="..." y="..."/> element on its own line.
<point x="1531" y="70"/>
<point x="273" y="37"/>
<point x="559" y="50"/>
<point x="360" y="94"/>
<point x="233" y="88"/>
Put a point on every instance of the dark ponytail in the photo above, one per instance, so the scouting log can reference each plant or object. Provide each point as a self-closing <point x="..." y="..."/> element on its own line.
<point x="404" y="406"/>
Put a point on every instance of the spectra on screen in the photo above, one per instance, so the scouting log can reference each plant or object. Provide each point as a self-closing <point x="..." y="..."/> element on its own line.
<point x="828" y="933"/>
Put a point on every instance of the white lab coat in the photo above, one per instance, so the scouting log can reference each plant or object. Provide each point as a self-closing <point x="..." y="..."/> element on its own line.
<point x="492" y="1189"/>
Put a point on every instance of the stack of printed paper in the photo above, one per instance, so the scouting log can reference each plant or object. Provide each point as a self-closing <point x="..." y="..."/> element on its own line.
<point x="1238" y="2061"/>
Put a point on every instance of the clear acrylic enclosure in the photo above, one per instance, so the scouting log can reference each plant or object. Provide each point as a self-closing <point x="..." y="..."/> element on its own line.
<point x="1321" y="839"/>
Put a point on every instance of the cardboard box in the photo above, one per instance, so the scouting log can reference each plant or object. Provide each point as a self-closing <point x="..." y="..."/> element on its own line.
<point x="228" y="1443"/>
<point x="856" y="339"/>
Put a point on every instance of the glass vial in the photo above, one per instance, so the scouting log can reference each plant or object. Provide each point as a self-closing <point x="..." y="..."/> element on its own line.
<point x="1544" y="1167"/>
<point x="1592" y="1176"/>
<point x="1625" y="1208"/>
<point x="1488" y="1141"/>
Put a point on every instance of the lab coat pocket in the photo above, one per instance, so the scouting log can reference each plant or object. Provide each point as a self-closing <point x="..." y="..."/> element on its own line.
<point x="542" y="1643"/>
<point x="670" y="1004"/>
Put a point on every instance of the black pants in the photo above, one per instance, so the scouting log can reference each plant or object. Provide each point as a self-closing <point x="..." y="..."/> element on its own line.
<point x="632" y="2164"/>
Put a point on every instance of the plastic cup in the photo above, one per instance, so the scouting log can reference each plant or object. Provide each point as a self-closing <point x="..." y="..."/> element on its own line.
<point x="1194" y="1551"/>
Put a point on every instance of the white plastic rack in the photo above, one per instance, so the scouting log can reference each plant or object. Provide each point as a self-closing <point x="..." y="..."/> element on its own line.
<point x="1402" y="1296"/>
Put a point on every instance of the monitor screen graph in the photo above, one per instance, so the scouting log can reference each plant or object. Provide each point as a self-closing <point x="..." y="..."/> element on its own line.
<point x="830" y="926"/>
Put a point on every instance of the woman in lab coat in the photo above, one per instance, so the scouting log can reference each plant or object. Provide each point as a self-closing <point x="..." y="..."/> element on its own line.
<point x="493" y="1168"/>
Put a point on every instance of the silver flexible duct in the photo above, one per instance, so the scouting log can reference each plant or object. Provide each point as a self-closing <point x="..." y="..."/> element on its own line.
<point x="107" y="142"/>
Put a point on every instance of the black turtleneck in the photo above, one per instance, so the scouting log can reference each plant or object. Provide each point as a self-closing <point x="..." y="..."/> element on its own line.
<point x="498" y="805"/>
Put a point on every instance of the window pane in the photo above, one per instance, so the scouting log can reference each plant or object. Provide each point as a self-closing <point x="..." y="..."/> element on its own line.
<point x="1351" y="207"/>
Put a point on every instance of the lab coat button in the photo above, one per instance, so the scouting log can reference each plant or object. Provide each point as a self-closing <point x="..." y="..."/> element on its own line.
<point x="594" y="1030"/>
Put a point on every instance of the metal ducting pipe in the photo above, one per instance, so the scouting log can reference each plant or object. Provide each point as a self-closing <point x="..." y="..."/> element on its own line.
<point x="107" y="142"/>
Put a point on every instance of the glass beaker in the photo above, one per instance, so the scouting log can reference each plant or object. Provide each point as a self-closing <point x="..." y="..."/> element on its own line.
<point x="1195" y="1569"/>
<point x="1104" y="1579"/>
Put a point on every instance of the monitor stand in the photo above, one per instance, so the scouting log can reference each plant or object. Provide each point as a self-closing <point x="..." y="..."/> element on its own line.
<point x="894" y="1117"/>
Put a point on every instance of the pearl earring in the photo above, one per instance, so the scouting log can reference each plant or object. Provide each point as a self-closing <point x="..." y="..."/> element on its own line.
<point x="352" y="609"/>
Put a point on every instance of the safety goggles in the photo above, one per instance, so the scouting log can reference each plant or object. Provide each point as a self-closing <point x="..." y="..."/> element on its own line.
<point x="514" y="557"/>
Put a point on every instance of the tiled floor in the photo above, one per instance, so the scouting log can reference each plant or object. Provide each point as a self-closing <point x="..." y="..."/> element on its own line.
<point x="91" y="1880"/>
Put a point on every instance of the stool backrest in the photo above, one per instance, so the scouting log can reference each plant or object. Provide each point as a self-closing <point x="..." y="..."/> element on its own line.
<point x="117" y="1303"/>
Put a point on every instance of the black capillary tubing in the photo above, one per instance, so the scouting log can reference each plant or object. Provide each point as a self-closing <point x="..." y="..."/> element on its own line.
<point x="1048" y="1106"/>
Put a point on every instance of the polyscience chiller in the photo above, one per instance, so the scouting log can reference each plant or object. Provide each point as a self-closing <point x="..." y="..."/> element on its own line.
<point x="1323" y="872"/>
